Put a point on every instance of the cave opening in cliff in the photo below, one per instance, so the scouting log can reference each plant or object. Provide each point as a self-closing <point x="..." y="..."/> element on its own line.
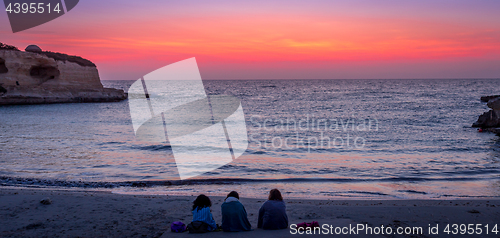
<point x="44" y="73"/>
<point x="3" y="68"/>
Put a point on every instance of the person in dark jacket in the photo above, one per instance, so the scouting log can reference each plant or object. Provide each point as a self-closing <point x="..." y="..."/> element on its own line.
<point x="272" y="214"/>
<point x="234" y="215"/>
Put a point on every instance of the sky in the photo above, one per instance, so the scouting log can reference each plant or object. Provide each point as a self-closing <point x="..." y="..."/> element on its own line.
<point x="280" y="39"/>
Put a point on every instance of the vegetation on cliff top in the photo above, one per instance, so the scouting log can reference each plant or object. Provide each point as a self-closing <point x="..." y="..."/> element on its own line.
<point x="7" y="47"/>
<point x="56" y="56"/>
<point x="71" y="58"/>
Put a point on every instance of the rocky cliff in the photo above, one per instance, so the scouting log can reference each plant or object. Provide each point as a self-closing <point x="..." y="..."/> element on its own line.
<point x="34" y="77"/>
<point x="490" y="120"/>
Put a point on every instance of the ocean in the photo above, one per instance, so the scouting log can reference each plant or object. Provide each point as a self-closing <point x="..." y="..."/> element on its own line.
<point x="325" y="139"/>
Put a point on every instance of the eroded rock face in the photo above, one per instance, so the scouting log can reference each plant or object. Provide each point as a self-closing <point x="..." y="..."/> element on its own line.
<point x="490" y="119"/>
<point x="3" y="68"/>
<point x="35" y="77"/>
<point x="33" y="69"/>
<point x="494" y="104"/>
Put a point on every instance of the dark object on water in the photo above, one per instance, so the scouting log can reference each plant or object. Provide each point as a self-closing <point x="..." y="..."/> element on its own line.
<point x="17" y="83"/>
<point x="494" y="130"/>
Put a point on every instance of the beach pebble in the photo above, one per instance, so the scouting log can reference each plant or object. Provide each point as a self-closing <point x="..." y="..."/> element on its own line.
<point x="46" y="201"/>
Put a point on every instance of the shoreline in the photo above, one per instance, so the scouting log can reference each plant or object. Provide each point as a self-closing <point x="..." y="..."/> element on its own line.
<point x="323" y="189"/>
<point x="104" y="214"/>
<point x="292" y="190"/>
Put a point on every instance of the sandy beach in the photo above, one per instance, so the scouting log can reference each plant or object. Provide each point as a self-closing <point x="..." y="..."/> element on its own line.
<point x="103" y="214"/>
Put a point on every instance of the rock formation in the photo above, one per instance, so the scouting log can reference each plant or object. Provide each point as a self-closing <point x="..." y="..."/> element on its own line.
<point x="490" y="120"/>
<point x="35" y="77"/>
<point x="488" y="98"/>
<point x="33" y="48"/>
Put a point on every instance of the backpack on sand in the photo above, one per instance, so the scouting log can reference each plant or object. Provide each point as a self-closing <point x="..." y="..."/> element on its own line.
<point x="197" y="227"/>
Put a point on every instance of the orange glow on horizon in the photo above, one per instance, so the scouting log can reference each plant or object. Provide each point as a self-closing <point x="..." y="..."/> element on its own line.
<point x="270" y="38"/>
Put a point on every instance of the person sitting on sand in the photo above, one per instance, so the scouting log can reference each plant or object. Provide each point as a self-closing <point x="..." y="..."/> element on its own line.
<point x="234" y="215"/>
<point x="201" y="211"/>
<point x="272" y="214"/>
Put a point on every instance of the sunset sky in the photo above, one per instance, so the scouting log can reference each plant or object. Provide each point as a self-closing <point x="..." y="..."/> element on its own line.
<point x="282" y="39"/>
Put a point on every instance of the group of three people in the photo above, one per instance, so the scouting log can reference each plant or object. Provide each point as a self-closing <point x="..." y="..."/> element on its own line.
<point x="272" y="214"/>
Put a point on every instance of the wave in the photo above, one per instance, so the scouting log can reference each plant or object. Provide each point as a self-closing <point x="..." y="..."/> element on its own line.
<point x="153" y="147"/>
<point x="36" y="182"/>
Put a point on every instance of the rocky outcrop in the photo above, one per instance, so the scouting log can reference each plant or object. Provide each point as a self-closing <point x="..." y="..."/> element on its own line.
<point x="490" y="120"/>
<point x="488" y="98"/>
<point x="494" y="104"/>
<point x="37" y="77"/>
<point x="43" y="95"/>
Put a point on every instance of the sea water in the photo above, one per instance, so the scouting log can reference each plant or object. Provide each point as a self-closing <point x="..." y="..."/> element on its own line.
<point x="368" y="139"/>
